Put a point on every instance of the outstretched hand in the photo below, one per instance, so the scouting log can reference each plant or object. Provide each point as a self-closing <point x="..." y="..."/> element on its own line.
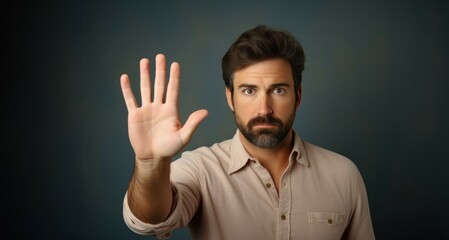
<point x="155" y="130"/>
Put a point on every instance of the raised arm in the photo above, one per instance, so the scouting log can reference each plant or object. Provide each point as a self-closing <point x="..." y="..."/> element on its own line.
<point x="156" y="135"/>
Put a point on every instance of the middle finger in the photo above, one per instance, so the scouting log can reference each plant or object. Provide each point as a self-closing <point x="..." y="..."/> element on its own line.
<point x="159" y="82"/>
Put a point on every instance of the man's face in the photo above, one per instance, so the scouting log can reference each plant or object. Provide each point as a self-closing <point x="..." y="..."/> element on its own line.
<point x="264" y="102"/>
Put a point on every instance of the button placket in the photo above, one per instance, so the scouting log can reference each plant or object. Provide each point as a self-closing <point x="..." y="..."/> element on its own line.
<point x="284" y="206"/>
<point x="266" y="180"/>
<point x="286" y="183"/>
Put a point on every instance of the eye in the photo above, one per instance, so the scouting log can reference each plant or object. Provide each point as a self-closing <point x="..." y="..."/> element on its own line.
<point x="248" y="91"/>
<point x="279" y="91"/>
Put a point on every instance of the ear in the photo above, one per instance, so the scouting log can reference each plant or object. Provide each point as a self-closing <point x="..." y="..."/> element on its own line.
<point x="229" y="99"/>
<point x="298" y="94"/>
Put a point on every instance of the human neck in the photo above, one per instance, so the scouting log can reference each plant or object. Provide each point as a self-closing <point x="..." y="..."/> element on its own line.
<point x="270" y="158"/>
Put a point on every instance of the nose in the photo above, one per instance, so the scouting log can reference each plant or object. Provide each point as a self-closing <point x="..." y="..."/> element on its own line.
<point x="265" y="107"/>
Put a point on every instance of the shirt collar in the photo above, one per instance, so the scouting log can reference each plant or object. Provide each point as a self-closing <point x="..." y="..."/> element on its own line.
<point x="240" y="157"/>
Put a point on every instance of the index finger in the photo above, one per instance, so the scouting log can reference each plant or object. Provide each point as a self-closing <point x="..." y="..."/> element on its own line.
<point x="173" y="84"/>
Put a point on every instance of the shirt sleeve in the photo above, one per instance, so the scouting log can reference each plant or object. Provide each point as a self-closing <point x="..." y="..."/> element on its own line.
<point x="185" y="179"/>
<point x="360" y="225"/>
<point x="161" y="230"/>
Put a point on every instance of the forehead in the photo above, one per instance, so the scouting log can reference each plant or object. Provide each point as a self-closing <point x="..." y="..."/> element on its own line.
<point x="268" y="71"/>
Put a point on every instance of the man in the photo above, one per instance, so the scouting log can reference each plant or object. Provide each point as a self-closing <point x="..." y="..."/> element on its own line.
<point x="265" y="182"/>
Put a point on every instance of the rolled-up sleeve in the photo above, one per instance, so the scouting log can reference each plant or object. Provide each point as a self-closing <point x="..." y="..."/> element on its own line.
<point x="161" y="230"/>
<point x="185" y="182"/>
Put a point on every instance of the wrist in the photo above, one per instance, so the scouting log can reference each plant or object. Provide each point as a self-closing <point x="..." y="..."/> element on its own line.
<point x="147" y="169"/>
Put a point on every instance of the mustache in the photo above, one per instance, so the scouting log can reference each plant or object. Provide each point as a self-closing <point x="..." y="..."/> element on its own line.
<point x="264" y="119"/>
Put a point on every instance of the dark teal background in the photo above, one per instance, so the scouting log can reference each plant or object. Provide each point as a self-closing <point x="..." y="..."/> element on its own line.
<point x="375" y="89"/>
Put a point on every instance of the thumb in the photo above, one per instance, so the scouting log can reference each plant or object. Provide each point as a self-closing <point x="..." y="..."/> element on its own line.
<point x="192" y="124"/>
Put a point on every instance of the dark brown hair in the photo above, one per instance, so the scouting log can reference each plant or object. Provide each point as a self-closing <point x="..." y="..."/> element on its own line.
<point x="259" y="44"/>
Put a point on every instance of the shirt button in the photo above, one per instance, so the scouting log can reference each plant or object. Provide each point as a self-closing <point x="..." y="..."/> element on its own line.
<point x="283" y="217"/>
<point x="330" y="221"/>
<point x="268" y="185"/>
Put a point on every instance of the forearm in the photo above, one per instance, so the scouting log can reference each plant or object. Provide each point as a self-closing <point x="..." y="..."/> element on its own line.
<point x="150" y="195"/>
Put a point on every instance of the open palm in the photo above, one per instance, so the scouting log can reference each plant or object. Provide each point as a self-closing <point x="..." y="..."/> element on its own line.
<point x="154" y="128"/>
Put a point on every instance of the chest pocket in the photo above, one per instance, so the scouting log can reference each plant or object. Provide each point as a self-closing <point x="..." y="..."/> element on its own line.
<point x="327" y="219"/>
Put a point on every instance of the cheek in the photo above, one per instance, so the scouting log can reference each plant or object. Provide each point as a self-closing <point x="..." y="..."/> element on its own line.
<point x="285" y="108"/>
<point x="242" y="112"/>
<point x="243" y="106"/>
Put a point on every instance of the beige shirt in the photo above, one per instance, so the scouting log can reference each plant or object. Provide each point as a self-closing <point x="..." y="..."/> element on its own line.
<point x="221" y="192"/>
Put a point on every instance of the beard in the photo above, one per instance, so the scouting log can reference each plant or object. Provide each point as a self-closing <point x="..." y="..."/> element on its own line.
<point x="265" y="138"/>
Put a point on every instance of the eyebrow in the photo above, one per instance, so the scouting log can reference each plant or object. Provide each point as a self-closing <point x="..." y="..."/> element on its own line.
<point x="275" y="85"/>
